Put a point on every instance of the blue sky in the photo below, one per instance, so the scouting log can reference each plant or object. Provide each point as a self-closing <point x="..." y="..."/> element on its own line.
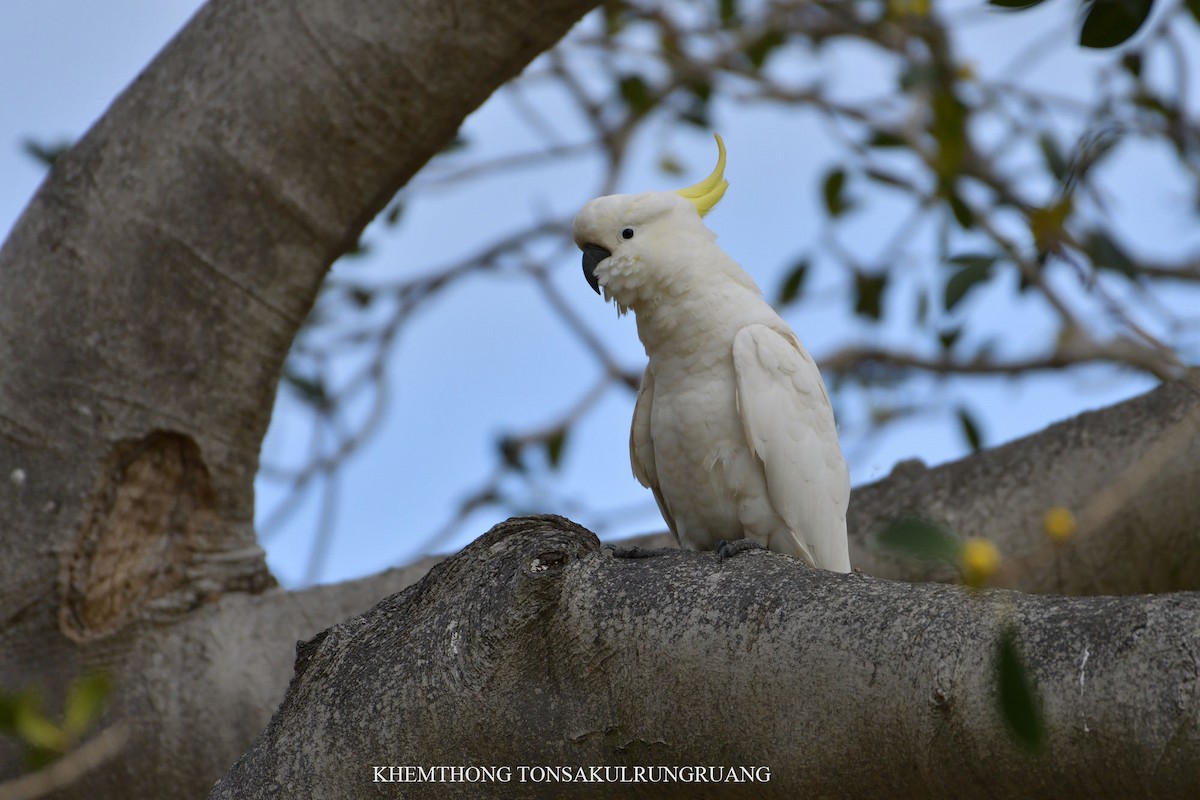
<point x="453" y="390"/>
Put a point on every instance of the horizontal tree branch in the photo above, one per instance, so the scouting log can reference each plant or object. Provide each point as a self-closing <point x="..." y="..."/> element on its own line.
<point x="536" y="646"/>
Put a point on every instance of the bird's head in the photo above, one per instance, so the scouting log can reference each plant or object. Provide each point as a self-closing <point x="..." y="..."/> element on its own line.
<point x="635" y="245"/>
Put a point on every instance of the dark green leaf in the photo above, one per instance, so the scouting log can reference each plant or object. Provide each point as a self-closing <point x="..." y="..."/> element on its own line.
<point x="1015" y="4"/>
<point x="310" y="390"/>
<point x="868" y="294"/>
<point x="949" y="337"/>
<point x="970" y="430"/>
<point x="1020" y="707"/>
<point x="882" y="138"/>
<point x="636" y="93"/>
<point x="726" y="11"/>
<point x="973" y="270"/>
<point x="918" y="537"/>
<point x="1052" y="156"/>
<point x="758" y="50"/>
<point x="1109" y="23"/>
<point x="794" y="282"/>
<point x="1131" y="62"/>
<point x="554" y="447"/>
<point x="1194" y="7"/>
<point x="958" y="207"/>
<point x="393" y="213"/>
<point x="510" y="453"/>
<point x="1105" y="253"/>
<point x="972" y="260"/>
<point x="45" y="152"/>
<point x="833" y="189"/>
<point x="615" y="17"/>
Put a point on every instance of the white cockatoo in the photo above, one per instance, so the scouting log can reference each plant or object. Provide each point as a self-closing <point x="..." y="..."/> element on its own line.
<point x="733" y="430"/>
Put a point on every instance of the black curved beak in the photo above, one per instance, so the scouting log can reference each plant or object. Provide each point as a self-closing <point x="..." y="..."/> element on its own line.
<point x="593" y="255"/>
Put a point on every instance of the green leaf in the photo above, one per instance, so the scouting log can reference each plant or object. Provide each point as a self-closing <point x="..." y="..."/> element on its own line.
<point x="1131" y="62"/>
<point x="948" y="338"/>
<point x="1016" y="5"/>
<point x="970" y="429"/>
<point x="85" y="700"/>
<point x="554" y="447"/>
<point x="958" y="207"/>
<point x="974" y="269"/>
<point x="1194" y="7"/>
<point x="833" y="189"/>
<point x="393" y="213"/>
<point x="1105" y="253"/>
<point x="1109" y="23"/>
<point x="794" y="282"/>
<point x="868" y="294"/>
<point x="310" y="390"/>
<point x="1052" y="156"/>
<point x="636" y="93"/>
<point x="726" y="12"/>
<point x="510" y="453"/>
<point x="45" y="152"/>
<point x="1020" y="707"/>
<point x="921" y="538"/>
<point x="886" y="139"/>
<point x="758" y="50"/>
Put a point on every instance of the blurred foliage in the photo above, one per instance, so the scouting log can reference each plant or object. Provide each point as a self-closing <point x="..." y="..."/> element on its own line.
<point x="978" y="560"/>
<point x="1004" y="184"/>
<point x="24" y="715"/>
<point x="1017" y="695"/>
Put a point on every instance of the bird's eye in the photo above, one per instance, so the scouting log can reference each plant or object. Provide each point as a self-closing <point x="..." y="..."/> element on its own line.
<point x="627" y="233"/>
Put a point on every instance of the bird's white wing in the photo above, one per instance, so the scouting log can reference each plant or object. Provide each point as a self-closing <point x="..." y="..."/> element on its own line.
<point x="641" y="447"/>
<point x="789" y="426"/>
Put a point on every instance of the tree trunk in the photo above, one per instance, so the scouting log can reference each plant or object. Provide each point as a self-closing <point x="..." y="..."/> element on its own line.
<point x="534" y="647"/>
<point x="148" y="297"/>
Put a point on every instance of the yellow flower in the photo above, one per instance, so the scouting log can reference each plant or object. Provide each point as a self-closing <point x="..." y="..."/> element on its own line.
<point x="1059" y="523"/>
<point x="979" y="560"/>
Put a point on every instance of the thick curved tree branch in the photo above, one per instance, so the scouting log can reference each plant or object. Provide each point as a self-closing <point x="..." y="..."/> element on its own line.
<point x="148" y="297"/>
<point x="534" y="646"/>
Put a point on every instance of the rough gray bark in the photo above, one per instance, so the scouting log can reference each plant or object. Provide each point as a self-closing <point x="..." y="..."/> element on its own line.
<point x="148" y="297"/>
<point x="533" y="646"/>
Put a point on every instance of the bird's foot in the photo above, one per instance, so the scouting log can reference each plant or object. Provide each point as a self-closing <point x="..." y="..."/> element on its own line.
<point x="728" y="549"/>
<point x="633" y="551"/>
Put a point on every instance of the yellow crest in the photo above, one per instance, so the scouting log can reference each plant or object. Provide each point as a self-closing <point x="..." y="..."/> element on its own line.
<point x="708" y="192"/>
